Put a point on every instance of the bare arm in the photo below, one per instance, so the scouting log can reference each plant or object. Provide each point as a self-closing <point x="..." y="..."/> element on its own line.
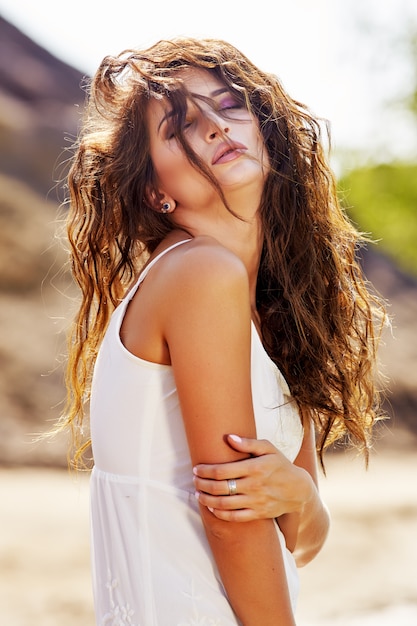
<point x="270" y="486"/>
<point x="206" y="324"/>
<point x="306" y="529"/>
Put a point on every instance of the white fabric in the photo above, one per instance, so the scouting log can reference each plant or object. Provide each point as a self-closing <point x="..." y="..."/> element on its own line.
<point x="152" y="565"/>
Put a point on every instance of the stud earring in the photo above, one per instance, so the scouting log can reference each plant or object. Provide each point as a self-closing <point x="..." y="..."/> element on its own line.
<point x="165" y="207"/>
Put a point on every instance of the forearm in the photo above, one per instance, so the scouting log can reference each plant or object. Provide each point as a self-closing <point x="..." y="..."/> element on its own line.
<point x="305" y="531"/>
<point x="250" y="562"/>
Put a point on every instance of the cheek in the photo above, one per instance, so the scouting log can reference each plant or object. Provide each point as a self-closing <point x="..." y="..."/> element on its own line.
<point x="176" y="177"/>
<point x="169" y="165"/>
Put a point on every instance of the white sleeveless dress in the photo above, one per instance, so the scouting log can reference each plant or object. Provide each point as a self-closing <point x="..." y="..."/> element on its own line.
<point x="151" y="561"/>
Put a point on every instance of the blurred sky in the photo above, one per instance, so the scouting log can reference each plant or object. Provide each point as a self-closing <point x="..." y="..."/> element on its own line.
<point x="345" y="59"/>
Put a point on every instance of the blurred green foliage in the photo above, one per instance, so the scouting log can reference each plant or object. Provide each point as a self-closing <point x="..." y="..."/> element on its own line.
<point x="382" y="201"/>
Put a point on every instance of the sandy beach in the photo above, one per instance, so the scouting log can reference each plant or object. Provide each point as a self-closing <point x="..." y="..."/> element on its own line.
<point x="366" y="575"/>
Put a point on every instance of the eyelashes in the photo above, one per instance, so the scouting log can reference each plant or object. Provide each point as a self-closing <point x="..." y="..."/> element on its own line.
<point x="227" y="104"/>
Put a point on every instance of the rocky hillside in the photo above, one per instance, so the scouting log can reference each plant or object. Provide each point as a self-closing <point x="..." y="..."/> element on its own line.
<point x="40" y="99"/>
<point x="40" y="103"/>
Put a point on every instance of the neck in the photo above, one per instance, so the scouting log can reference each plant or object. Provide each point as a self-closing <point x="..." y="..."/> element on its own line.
<point x="243" y="238"/>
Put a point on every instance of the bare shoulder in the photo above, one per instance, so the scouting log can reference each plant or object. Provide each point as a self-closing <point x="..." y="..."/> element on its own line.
<point x="201" y="280"/>
<point x="205" y="250"/>
<point x="204" y="263"/>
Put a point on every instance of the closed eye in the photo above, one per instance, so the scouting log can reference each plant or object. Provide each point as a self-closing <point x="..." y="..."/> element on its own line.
<point x="230" y="103"/>
<point x="171" y="133"/>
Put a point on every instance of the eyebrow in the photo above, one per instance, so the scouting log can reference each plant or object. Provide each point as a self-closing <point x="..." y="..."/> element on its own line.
<point x="213" y="94"/>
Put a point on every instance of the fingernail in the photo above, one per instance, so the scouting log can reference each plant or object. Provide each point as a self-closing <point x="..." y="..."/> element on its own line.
<point x="236" y="438"/>
<point x="210" y="509"/>
<point x="194" y="470"/>
<point x="197" y="495"/>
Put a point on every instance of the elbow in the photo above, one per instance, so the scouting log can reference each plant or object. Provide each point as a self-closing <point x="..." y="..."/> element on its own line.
<point x="304" y="557"/>
<point x="308" y="550"/>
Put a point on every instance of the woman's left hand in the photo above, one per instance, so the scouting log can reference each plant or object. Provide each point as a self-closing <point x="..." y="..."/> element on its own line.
<point x="268" y="485"/>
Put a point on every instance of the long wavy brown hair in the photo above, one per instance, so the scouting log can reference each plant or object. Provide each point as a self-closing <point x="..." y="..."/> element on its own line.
<point x="320" y="320"/>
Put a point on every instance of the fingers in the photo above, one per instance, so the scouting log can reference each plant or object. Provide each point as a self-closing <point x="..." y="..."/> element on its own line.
<point x="255" y="447"/>
<point x="241" y="515"/>
<point x="223" y="471"/>
<point x="222" y="503"/>
<point x="230" y="508"/>
<point x="237" y="469"/>
<point x="217" y="494"/>
<point x="233" y="508"/>
<point x="213" y="487"/>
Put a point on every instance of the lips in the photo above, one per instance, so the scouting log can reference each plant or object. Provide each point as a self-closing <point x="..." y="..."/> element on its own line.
<point x="227" y="152"/>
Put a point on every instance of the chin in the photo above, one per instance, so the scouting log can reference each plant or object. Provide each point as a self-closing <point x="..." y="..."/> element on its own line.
<point x="250" y="179"/>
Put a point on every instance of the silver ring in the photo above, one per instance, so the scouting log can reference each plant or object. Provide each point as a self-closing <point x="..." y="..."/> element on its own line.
<point x="232" y="487"/>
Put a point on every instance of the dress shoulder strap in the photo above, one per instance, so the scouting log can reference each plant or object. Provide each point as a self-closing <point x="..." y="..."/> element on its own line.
<point x="145" y="271"/>
<point x="158" y="256"/>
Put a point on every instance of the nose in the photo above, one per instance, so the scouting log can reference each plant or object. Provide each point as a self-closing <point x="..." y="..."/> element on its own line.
<point x="216" y="126"/>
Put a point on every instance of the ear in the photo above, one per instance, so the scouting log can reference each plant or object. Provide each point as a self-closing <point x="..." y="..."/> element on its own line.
<point x="161" y="202"/>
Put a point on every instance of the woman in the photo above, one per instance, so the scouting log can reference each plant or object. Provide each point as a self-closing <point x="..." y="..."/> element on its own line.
<point x="227" y="322"/>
